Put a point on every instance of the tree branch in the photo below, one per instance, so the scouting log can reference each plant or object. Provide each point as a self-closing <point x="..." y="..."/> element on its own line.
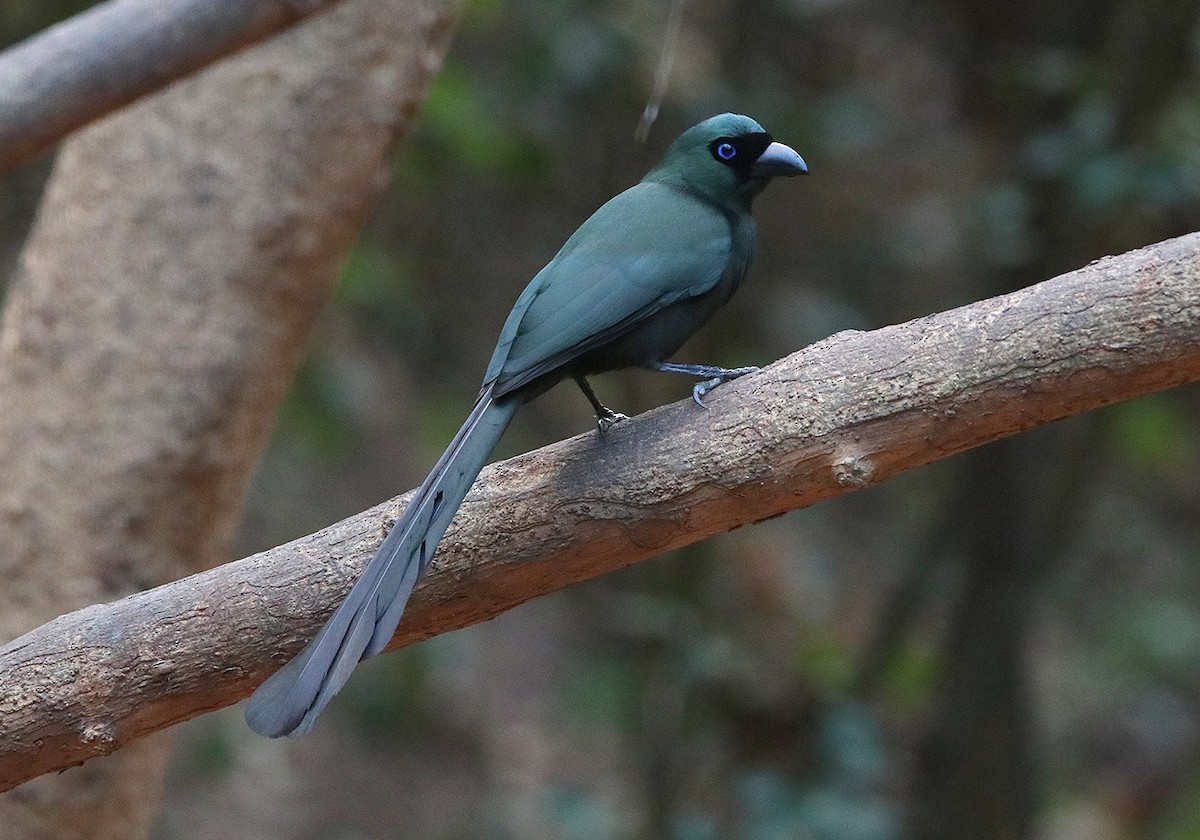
<point x="841" y="415"/>
<point x="114" y="53"/>
<point x="182" y="253"/>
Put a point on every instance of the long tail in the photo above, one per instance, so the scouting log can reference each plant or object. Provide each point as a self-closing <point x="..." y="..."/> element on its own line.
<point x="289" y="702"/>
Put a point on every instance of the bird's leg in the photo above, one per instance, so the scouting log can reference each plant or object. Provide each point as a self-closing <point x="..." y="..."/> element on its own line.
<point x="606" y="418"/>
<point x="713" y="376"/>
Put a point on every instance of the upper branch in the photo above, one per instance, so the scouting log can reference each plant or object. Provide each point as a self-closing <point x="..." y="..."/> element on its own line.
<point x="838" y="416"/>
<point x="108" y="56"/>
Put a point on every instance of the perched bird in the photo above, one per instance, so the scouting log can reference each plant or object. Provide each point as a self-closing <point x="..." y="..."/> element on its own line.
<point x="626" y="290"/>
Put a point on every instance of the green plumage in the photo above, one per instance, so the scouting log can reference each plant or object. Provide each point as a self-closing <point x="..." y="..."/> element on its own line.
<point x="683" y="233"/>
<point x="627" y="289"/>
<point x="645" y="250"/>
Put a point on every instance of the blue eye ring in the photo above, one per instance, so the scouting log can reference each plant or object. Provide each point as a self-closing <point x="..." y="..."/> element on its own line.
<point x="726" y="151"/>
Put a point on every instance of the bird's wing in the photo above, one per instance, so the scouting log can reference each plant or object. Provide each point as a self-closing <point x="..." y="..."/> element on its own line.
<point x="647" y="248"/>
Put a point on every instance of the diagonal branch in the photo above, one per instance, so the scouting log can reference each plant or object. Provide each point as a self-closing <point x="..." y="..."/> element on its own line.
<point x="841" y="415"/>
<point x="105" y="58"/>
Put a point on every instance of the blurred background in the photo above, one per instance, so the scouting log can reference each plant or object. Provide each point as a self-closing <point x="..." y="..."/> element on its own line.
<point x="1003" y="645"/>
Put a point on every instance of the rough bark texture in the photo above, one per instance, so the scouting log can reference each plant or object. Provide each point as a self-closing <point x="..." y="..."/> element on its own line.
<point x="841" y="415"/>
<point x="181" y="254"/>
<point x="110" y="55"/>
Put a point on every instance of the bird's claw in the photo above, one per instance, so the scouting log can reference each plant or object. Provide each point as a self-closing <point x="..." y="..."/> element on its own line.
<point x="606" y="421"/>
<point x="707" y="385"/>
<point x="702" y="388"/>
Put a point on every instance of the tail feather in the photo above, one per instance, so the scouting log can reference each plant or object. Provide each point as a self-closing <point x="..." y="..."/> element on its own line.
<point x="289" y="702"/>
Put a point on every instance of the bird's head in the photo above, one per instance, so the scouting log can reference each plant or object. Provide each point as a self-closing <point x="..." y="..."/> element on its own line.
<point x="726" y="158"/>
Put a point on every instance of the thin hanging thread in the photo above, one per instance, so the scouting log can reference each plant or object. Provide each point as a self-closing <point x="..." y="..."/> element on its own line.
<point x="662" y="75"/>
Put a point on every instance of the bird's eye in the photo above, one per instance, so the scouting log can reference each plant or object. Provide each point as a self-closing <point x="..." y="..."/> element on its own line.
<point x="726" y="151"/>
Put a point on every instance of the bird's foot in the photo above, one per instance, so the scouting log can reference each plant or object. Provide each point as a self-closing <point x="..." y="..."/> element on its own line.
<point x="608" y="419"/>
<point x="725" y="375"/>
<point x="714" y="376"/>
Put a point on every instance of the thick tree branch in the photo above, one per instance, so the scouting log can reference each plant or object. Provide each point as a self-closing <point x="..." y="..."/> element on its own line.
<point x="114" y="53"/>
<point x="835" y="417"/>
<point x="182" y="253"/>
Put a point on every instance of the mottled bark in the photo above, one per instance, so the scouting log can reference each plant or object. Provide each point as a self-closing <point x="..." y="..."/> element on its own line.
<point x="839" y="416"/>
<point x="104" y="58"/>
<point x="181" y="254"/>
